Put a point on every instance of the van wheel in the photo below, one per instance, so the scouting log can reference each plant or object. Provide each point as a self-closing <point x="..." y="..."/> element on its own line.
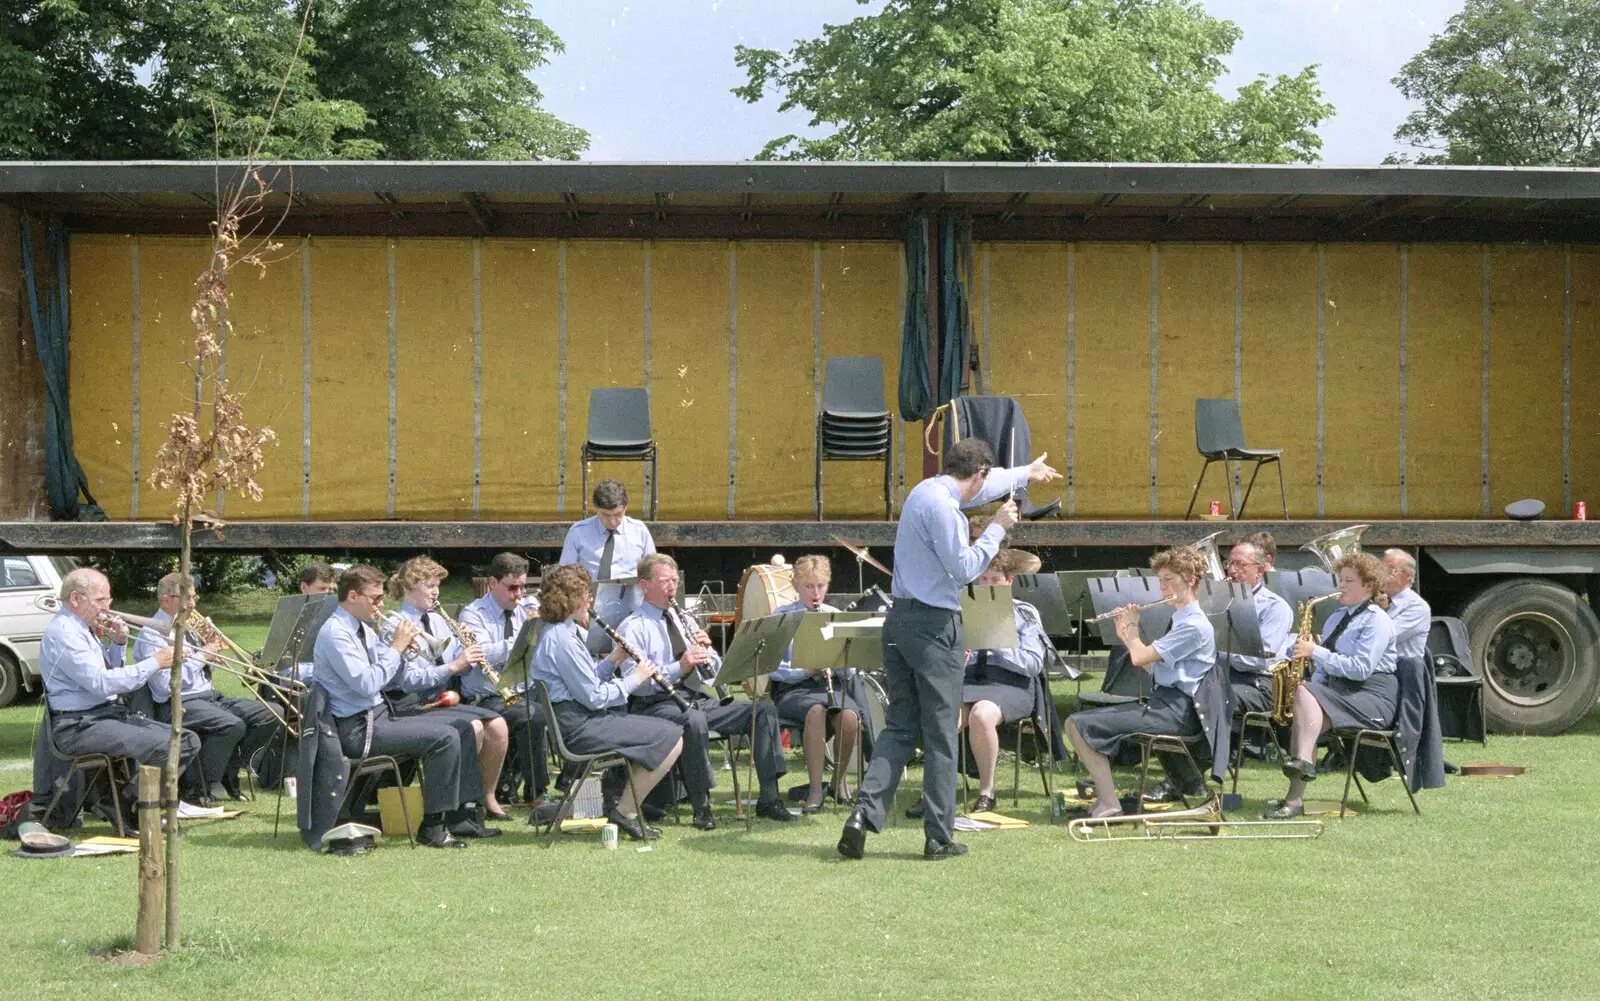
<point x="10" y="679"/>
<point x="1536" y="643"/>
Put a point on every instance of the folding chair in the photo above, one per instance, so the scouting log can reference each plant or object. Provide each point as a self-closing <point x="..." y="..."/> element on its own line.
<point x="315" y="703"/>
<point x="88" y="764"/>
<point x="1036" y="727"/>
<point x="585" y="763"/>
<point x="855" y="424"/>
<point x="1150" y="744"/>
<point x="1247" y="722"/>
<point x="619" y="431"/>
<point x="1350" y="741"/>
<point x="1458" y="684"/>
<point x="1219" y="437"/>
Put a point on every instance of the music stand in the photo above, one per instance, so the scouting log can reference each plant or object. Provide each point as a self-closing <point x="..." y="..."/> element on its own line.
<point x="758" y="647"/>
<point x="1231" y="607"/>
<point x="1043" y="592"/>
<point x="519" y="662"/>
<point x="987" y="618"/>
<point x="292" y="636"/>
<point x="1111" y="593"/>
<point x="817" y="647"/>
<point x="1296" y="586"/>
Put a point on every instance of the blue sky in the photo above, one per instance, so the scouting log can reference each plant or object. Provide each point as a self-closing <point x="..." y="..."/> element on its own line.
<point x="650" y="79"/>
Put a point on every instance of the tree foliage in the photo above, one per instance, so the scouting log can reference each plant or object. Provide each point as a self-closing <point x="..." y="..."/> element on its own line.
<point x="182" y="79"/>
<point x="1512" y="82"/>
<point x="1053" y="80"/>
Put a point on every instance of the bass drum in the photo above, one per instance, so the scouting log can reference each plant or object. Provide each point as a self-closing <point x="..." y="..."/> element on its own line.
<point x="763" y="589"/>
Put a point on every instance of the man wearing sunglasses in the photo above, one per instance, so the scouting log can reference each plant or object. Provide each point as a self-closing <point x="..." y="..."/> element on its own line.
<point x="496" y="619"/>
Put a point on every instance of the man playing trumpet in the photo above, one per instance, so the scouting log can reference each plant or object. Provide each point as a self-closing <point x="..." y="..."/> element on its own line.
<point x="230" y="729"/>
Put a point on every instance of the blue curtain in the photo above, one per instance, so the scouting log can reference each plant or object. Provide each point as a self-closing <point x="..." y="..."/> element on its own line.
<point x="64" y="478"/>
<point x="955" y="283"/>
<point x="916" y="390"/>
<point x="918" y="394"/>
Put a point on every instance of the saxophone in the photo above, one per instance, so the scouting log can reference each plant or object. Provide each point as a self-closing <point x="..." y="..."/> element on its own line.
<point x="466" y="638"/>
<point x="1287" y="674"/>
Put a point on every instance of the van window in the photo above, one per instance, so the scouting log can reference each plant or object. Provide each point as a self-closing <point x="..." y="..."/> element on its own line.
<point x="16" y="572"/>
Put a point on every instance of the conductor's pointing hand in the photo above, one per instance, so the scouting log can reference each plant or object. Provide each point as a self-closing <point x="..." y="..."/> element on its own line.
<point x="1040" y="472"/>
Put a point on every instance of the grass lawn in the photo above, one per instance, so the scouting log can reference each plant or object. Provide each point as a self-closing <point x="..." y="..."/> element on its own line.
<point x="1491" y="893"/>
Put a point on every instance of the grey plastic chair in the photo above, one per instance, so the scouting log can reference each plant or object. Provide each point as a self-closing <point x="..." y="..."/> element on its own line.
<point x="619" y="431"/>
<point x="1457" y="682"/>
<point x="855" y="424"/>
<point x="1219" y="437"/>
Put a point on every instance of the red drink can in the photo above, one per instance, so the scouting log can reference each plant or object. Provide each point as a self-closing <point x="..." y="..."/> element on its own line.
<point x="1216" y="509"/>
<point x="1580" y="511"/>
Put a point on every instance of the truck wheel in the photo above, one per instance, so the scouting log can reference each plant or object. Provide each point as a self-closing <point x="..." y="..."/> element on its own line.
<point x="1536" y="643"/>
<point x="10" y="679"/>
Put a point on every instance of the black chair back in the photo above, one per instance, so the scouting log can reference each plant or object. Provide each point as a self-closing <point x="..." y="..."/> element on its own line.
<point x="619" y="418"/>
<point x="852" y="388"/>
<point x="1217" y="426"/>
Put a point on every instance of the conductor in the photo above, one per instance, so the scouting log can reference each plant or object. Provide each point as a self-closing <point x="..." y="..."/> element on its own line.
<point x="924" y="647"/>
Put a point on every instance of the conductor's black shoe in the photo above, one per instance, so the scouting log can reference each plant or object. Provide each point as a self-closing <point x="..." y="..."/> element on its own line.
<point x="1299" y="768"/>
<point x="982" y="804"/>
<point x="934" y="850"/>
<point x="916" y="810"/>
<point x="773" y="809"/>
<point x="704" y="819"/>
<point x="634" y="827"/>
<point x="853" y="839"/>
<point x="436" y="836"/>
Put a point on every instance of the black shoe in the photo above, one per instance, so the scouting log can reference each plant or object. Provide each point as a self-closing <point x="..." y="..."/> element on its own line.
<point x="497" y="816"/>
<point x="1283" y="811"/>
<point x="773" y="809"/>
<point x="982" y="804"/>
<point x="1451" y="768"/>
<point x="704" y="820"/>
<point x="634" y="828"/>
<point x="436" y="836"/>
<point x="215" y="792"/>
<point x="1299" y="768"/>
<point x="543" y="813"/>
<point x="801" y="793"/>
<point x="853" y="839"/>
<point x="473" y="829"/>
<point x="653" y="814"/>
<point x="934" y="850"/>
<point x="350" y="847"/>
<point x="1162" y="792"/>
<point x="916" y="810"/>
<point x="808" y="809"/>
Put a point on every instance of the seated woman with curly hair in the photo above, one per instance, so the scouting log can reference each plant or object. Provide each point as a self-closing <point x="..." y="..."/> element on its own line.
<point x="1352" y="683"/>
<point x="590" y="702"/>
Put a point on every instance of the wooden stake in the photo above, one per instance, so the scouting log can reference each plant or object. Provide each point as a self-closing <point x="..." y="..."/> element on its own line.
<point x="152" y="864"/>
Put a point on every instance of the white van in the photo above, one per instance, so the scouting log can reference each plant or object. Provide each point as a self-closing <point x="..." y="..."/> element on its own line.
<point x="23" y="580"/>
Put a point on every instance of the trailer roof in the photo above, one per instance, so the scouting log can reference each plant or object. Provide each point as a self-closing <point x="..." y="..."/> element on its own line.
<point x="835" y="200"/>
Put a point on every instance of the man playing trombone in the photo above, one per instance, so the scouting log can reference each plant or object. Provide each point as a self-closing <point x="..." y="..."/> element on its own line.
<point x="230" y="729"/>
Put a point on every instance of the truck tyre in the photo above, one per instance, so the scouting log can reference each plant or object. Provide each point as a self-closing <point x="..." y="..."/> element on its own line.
<point x="10" y="679"/>
<point x="1537" y="644"/>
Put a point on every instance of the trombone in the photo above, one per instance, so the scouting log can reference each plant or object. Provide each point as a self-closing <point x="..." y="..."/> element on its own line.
<point x="1204" y="823"/>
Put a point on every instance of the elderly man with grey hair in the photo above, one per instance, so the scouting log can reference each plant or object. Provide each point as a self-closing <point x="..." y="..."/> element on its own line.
<point x="1410" y="613"/>
<point x="84" y="677"/>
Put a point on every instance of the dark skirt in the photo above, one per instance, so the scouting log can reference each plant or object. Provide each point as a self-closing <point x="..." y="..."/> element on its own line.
<point x="795" y="701"/>
<point x="643" y="740"/>
<point x="1169" y="711"/>
<point x="1347" y="704"/>
<point x="1015" y="703"/>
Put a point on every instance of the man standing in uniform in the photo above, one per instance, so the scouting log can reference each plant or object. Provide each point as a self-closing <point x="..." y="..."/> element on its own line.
<point x="924" y="649"/>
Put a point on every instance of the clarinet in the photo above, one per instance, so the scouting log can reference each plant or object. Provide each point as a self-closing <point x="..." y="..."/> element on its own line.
<point x="666" y="686"/>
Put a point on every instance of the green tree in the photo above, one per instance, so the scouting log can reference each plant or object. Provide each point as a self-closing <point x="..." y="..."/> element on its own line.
<point x="1061" y="80"/>
<point x="1511" y="82"/>
<point x="181" y="79"/>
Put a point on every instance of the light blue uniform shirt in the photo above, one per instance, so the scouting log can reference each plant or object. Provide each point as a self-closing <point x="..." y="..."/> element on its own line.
<point x="586" y="539"/>
<point x="1187" y="652"/>
<point x="1412" y="618"/>
<point x="1028" y="657"/>
<point x="80" y="673"/>
<point x="646" y="632"/>
<point x="1276" y="618"/>
<point x="787" y="673"/>
<point x="1364" y="649"/>
<point x="562" y="661"/>
<point x="149" y="640"/>
<point x="423" y="674"/>
<point x="487" y="620"/>
<point x="352" y="672"/>
<point x="932" y="560"/>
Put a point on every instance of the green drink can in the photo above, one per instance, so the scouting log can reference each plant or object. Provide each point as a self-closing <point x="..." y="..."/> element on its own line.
<point x="1058" y="803"/>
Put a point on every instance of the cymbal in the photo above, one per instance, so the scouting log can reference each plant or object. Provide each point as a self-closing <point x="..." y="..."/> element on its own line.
<point x="860" y="553"/>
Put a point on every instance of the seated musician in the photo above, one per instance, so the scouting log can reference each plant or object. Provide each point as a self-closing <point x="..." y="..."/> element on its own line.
<point x="497" y="619"/>
<point x="1411" y="614"/>
<point x="416" y="586"/>
<point x="82" y="680"/>
<point x="1177" y="662"/>
<point x="1352" y="683"/>
<point x="998" y="687"/>
<point x="667" y="637"/>
<point x="609" y="543"/>
<point x="231" y="729"/>
<point x="1250" y="678"/>
<point x="589" y="700"/>
<point x="803" y="697"/>
<point x="354" y="668"/>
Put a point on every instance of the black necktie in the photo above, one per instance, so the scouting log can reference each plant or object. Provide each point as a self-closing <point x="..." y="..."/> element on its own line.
<point x="506" y="631"/>
<point x="983" y="666"/>
<point x="607" y="553"/>
<point x="674" y="636"/>
<point x="1344" y="623"/>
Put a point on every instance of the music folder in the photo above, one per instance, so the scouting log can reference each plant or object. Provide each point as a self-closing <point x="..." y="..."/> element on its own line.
<point x="987" y="617"/>
<point x="838" y="639"/>
<point x="519" y="662"/>
<point x="758" y="646"/>
<point x="296" y="620"/>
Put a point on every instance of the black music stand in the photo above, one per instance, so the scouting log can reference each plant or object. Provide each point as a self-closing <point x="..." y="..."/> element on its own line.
<point x="1231" y="607"/>
<point x="1108" y="594"/>
<point x="758" y="647"/>
<point x="292" y="636"/>
<point x="1043" y="592"/>
<point x="1296" y="586"/>
<point x="515" y="677"/>
<point x="827" y="641"/>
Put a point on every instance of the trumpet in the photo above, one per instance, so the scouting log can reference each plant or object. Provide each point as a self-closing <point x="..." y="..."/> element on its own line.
<point x="1118" y="611"/>
<point x="423" y="645"/>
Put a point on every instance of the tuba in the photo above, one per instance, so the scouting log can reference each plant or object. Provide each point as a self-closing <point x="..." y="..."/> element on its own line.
<point x="1329" y="548"/>
<point x="1207" y="548"/>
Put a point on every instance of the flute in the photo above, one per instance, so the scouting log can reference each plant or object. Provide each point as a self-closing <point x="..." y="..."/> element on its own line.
<point x="666" y="686"/>
<point x="1118" y="611"/>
